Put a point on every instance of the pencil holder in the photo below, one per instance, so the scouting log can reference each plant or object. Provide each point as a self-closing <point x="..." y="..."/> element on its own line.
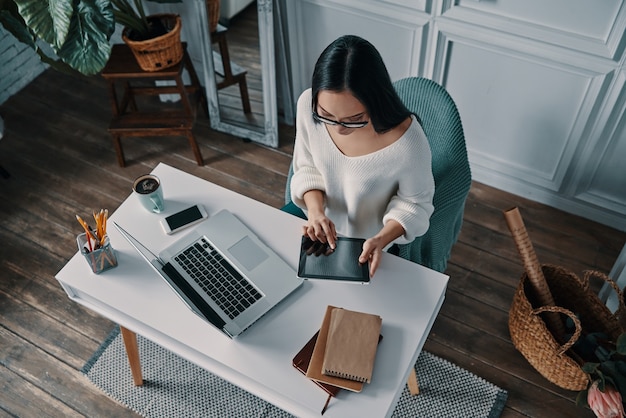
<point x="99" y="259"/>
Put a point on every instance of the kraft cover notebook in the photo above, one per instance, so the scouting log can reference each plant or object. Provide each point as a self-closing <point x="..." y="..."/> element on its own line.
<point x="317" y="359"/>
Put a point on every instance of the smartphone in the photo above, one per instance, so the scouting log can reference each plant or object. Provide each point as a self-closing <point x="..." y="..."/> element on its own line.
<point x="183" y="219"/>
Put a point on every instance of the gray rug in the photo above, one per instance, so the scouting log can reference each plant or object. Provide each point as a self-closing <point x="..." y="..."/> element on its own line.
<point x="174" y="387"/>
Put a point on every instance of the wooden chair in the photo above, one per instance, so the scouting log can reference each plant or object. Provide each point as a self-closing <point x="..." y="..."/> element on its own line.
<point x="230" y="72"/>
<point x="124" y="76"/>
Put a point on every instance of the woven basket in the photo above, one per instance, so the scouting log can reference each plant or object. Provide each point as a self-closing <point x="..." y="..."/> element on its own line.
<point x="161" y="52"/>
<point x="572" y="297"/>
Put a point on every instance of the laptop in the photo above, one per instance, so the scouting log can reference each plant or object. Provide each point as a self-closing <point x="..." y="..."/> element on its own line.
<point x="223" y="272"/>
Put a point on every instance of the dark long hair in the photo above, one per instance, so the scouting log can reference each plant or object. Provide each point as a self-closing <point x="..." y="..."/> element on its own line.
<point x="352" y="63"/>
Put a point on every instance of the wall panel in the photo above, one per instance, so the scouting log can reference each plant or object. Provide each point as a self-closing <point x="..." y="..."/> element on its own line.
<point x="538" y="85"/>
<point x="523" y="114"/>
<point x="599" y="178"/>
<point x="399" y="34"/>
<point x="593" y="27"/>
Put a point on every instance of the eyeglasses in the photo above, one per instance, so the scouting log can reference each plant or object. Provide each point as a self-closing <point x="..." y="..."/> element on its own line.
<point x="349" y="125"/>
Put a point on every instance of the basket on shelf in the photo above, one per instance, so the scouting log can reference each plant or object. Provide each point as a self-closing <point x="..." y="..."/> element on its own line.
<point x="161" y="52"/>
<point x="574" y="298"/>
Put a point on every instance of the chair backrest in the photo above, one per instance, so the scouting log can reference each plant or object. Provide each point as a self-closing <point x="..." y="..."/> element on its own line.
<point x="441" y="122"/>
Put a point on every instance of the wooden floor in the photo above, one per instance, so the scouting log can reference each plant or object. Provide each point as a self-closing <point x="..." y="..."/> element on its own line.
<point x="62" y="163"/>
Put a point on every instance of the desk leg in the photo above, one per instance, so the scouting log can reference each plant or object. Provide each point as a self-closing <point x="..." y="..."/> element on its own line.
<point x="132" y="351"/>
<point x="412" y="382"/>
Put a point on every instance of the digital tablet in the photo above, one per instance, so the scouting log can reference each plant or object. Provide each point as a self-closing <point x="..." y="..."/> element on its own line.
<point x="318" y="261"/>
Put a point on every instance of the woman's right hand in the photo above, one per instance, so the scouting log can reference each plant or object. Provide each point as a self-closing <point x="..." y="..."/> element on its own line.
<point x="320" y="228"/>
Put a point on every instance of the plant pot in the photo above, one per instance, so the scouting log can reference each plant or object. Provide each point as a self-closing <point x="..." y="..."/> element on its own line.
<point x="162" y="51"/>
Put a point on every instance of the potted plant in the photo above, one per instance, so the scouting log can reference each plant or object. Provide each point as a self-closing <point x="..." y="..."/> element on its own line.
<point x="154" y="40"/>
<point x="74" y="35"/>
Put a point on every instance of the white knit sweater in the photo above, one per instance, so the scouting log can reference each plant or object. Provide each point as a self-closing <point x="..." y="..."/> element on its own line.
<point x="363" y="193"/>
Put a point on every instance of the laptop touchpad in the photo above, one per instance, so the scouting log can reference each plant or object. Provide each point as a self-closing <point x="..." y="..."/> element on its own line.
<point x="248" y="253"/>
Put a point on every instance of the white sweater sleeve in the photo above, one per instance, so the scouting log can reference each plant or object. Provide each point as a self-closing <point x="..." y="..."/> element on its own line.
<point x="412" y="211"/>
<point x="306" y="175"/>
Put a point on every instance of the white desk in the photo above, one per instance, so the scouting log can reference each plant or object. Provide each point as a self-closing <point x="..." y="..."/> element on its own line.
<point x="406" y="295"/>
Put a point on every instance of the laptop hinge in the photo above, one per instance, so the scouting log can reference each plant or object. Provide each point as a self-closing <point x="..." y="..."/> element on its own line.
<point x="193" y="296"/>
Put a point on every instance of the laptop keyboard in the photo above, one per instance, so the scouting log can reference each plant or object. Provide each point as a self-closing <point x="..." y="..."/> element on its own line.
<point x="226" y="286"/>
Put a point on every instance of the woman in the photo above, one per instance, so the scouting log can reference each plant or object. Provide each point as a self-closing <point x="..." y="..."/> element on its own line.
<point x="362" y="164"/>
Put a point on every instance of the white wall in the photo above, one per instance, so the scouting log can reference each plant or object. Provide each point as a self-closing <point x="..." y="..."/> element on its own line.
<point x="19" y="65"/>
<point x="538" y="85"/>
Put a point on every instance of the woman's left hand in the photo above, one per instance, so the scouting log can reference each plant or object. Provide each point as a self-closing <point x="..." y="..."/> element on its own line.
<point x="372" y="252"/>
<point x="373" y="247"/>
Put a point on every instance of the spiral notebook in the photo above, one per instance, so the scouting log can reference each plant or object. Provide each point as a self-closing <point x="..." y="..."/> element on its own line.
<point x="354" y="347"/>
<point x="351" y="345"/>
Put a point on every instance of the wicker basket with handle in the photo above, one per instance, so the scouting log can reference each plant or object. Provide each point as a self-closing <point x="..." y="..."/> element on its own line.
<point x="574" y="298"/>
<point x="161" y="52"/>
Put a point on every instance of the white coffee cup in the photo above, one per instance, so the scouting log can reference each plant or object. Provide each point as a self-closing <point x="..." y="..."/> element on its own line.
<point x="149" y="191"/>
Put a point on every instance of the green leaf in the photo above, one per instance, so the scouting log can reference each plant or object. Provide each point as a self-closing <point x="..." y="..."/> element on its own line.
<point x="87" y="48"/>
<point x="131" y="16"/>
<point x="590" y="368"/>
<point x="601" y="380"/>
<point x="48" y="19"/>
<point x="620" y="382"/>
<point x="621" y="344"/>
<point x="13" y="22"/>
<point x="131" y="21"/>
<point x="57" y="64"/>
<point x="602" y="353"/>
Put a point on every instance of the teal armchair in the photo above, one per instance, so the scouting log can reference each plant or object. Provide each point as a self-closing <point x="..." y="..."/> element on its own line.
<point x="442" y="124"/>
